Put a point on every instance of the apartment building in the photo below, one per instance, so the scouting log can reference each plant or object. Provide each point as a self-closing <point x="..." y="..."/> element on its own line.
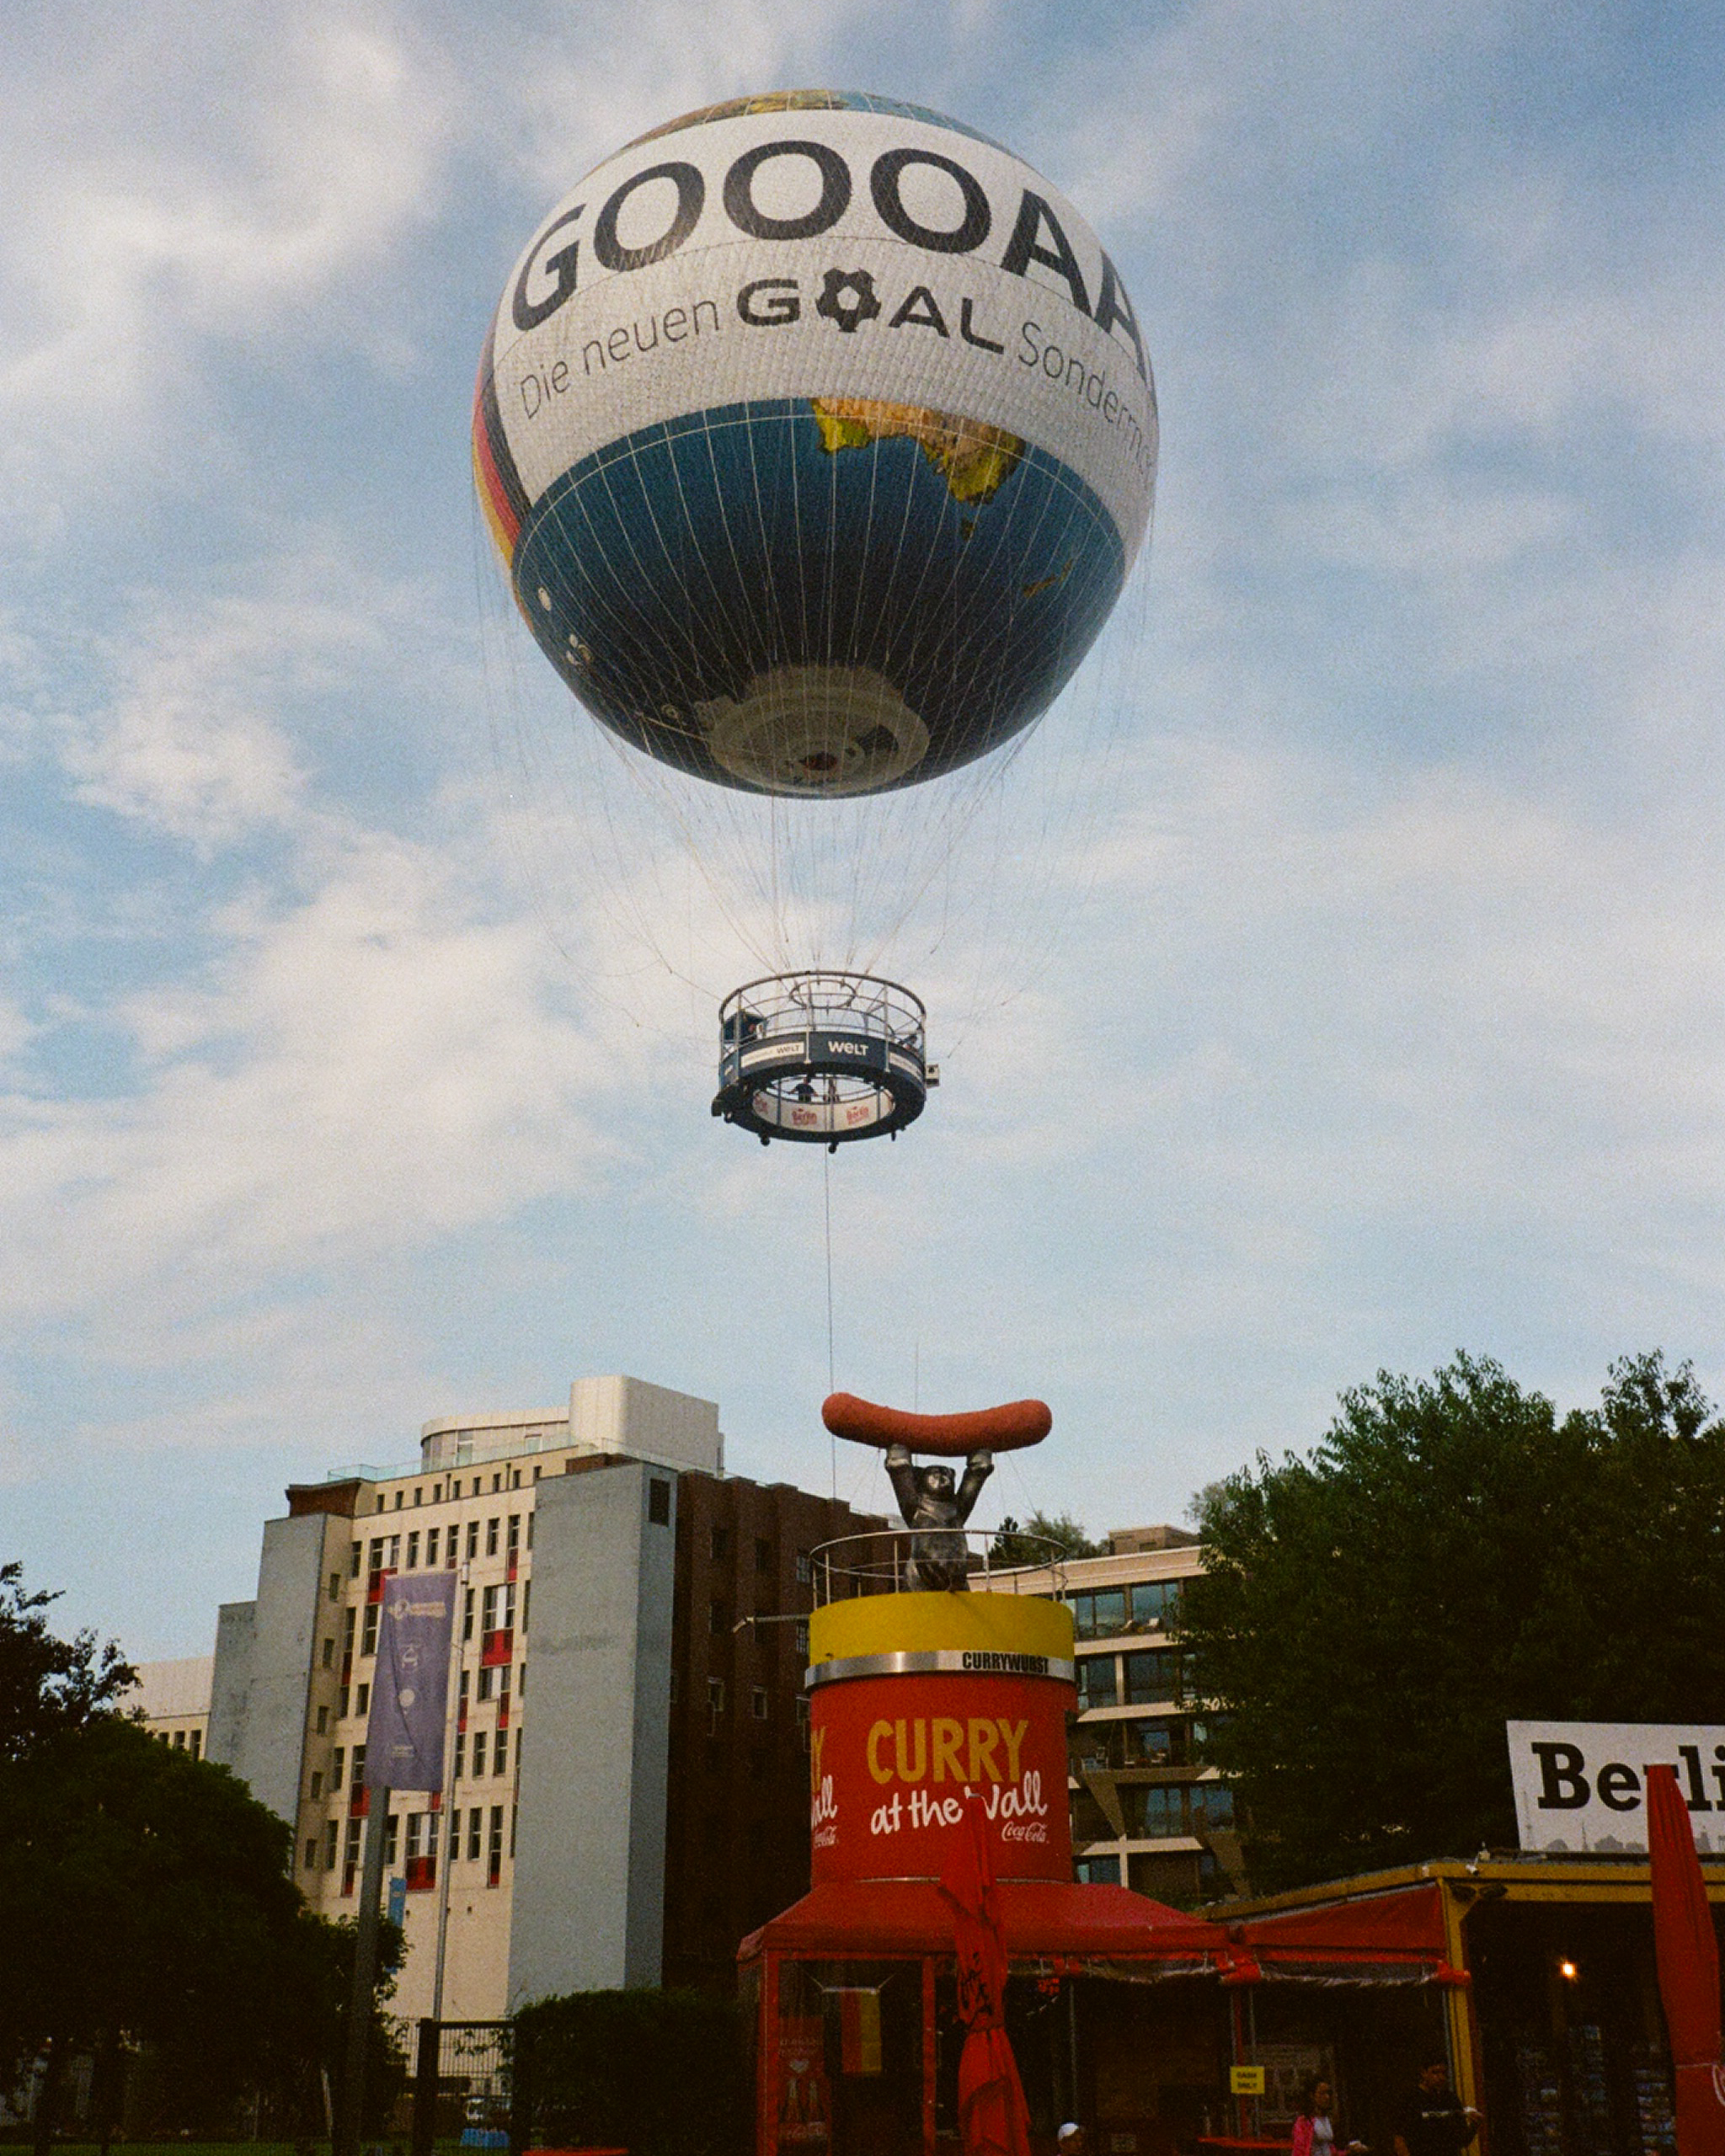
<point x="1146" y="1812"/>
<point x="173" y="1698"/>
<point x="625" y="1795"/>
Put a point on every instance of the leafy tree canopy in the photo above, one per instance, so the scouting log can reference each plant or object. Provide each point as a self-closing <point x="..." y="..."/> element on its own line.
<point x="48" y="1684"/>
<point x="1452" y="1556"/>
<point x="147" y="1895"/>
<point x="1027" y="1544"/>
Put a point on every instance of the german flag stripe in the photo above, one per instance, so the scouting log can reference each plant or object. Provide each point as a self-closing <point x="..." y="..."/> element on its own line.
<point x="501" y="493"/>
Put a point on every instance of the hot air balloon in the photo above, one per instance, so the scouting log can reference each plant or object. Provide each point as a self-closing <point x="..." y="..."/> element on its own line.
<point x="817" y="436"/>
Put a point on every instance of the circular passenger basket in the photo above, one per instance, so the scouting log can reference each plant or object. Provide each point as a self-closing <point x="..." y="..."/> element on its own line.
<point x="822" y="1058"/>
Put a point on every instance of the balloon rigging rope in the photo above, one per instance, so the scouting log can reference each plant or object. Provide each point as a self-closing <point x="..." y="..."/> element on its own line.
<point x="831" y="1380"/>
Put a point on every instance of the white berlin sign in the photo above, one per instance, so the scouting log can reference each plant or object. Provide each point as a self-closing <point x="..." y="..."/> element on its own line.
<point x="1581" y="1786"/>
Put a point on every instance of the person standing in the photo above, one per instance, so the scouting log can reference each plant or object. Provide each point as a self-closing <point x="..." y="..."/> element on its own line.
<point x="1434" y="2121"/>
<point x="1314" y="2129"/>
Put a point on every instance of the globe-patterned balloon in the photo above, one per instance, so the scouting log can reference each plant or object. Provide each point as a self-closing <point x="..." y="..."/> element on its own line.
<point x="818" y="434"/>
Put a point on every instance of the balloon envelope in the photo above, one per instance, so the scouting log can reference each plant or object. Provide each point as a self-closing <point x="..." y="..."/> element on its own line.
<point x="818" y="435"/>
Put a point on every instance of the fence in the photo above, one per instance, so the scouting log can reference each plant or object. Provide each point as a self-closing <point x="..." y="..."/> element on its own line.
<point x="465" y="2088"/>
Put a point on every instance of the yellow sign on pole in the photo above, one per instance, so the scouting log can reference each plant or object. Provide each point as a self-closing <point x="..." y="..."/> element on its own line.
<point x="1245" y="2081"/>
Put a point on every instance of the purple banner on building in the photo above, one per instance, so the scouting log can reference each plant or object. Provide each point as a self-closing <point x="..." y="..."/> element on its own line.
<point x="410" y="1690"/>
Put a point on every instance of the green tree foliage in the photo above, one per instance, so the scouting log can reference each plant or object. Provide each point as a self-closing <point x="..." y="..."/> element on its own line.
<point x="659" y="2072"/>
<point x="48" y="1684"/>
<point x="1453" y="1556"/>
<point x="1027" y="1544"/>
<point x="148" y="1896"/>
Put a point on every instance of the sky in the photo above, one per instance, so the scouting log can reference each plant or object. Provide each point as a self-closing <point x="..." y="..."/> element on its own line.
<point x="1368" y="1006"/>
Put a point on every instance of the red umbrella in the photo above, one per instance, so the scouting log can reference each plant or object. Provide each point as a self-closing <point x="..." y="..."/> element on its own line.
<point x="1688" y="1951"/>
<point x="993" y="2120"/>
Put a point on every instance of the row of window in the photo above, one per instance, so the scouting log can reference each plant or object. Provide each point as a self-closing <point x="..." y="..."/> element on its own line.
<point x="499" y="1754"/>
<point x="1104" y="1613"/>
<point x="477" y="1484"/>
<point x="1156" y="1813"/>
<point x="183" y="1740"/>
<point x="1168" y="1740"/>
<point x="386" y="1550"/>
<point x="1149" y="1677"/>
<point x="482" y="1838"/>
<point x="718" y="1544"/>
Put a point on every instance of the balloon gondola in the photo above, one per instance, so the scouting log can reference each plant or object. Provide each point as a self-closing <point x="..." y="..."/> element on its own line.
<point x="822" y="1058"/>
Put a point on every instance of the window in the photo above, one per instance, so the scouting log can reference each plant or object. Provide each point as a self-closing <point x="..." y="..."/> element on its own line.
<point x="437" y="1493"/>
<point x="1096" y="1687"/>
<point x="416" y="1835"/>
<point x="476" y="1821"/>
<point x="368" y="1638"/>
<point x="335" y="1587"/>
<point x="1098" y="1870"/>
<point x="1212" y="1805"/>
<point x="362" y="1704"/>
<point x="377" y="1563"/>
<point x="473" y="1538"/>
<point x="715" y="1695"/>
<point x="513" y="1539"/>
<point x="311" y="1853"/>
<point x="803" y="1566"/>
<point x="179" y="1740"/>
<point x="392" y="1840"/>
<point x="527" y="1598"/>
<point x="332" y="1828"/>
<point x="717" y="1622"/>
<point x="359" y="1774"/>
<point x="719" y="1542"/>
<point x="328" y="1653"/>
<point x="1154" y="1813"/>
<point x="349" y="1618"/>
<point x="335" y="1767"/>
<point x="344" y="1703"/>
<point x="761" y="1703"/>
<point x="399" y="1495"/>
<point x="494" y="1851"/>
<point x="486" y="1673"/>
<point x="491" y="1527"/>
<point x="802" y="1636"/>
<point x="1154" y="1602"/>
<point x="479" y="1755"/>
<point x="196" y="1745"/>
<point x="536" y="1472"/>
<point x="467" y="1615"/>
<point x="414" y="1551"/>
<point x="531" y="1517"/>
<point x="657" y="1500"/>
<point x="317" y="1787"/>
<point x="763" y="1554"/>
<point x="461" y="1746"/>
<point x="496" y="1482"/>
<point x="353" y="1562"/>
<point x="499" y="1753"/>
<point x="431" y="1533"/>
<point x="419" y="1497"/>
<point x="514" y="1478"/>
<point x="382" y="1501"/>
<point x="1152" y="1676"/>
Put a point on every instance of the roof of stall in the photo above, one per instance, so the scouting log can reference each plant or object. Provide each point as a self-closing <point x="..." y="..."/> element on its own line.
<point x="1043" y="1922"/>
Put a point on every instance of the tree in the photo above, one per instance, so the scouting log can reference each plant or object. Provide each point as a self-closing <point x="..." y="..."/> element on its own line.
<point x="1013" y="1544"/>
<point x="1452" y="1556"/>
<point x="48" y="1684"/>
<point x="148" y="1894"/>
